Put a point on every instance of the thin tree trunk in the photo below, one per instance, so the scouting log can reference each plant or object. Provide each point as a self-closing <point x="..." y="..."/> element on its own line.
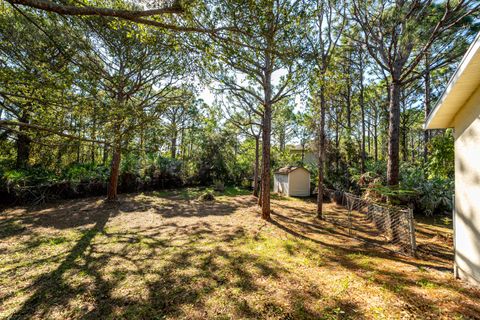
<point x="94" y="136"/>
<point x="404" y="143"/>
<point x="393" y="134"/>
<point x="282" y="139"/>
<point x="369" y="137"/>
<point x="413" y="147"/>
<point x="259" y="202"/>
<point x="23" y="142"/>
<point x="426" y="133"/>
<point x="105" y="154"/>
<point x="337" y="145"/>
<point x="321" y="154"/>
<point x="362" y="111"/>
<point x="349" y="117"/>
<point x="173" y="147"/>
<point x="375" y="136"/>
<point x="255" y="170"/>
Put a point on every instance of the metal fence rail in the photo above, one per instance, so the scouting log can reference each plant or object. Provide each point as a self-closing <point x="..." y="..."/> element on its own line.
<point x="388" y="225"/>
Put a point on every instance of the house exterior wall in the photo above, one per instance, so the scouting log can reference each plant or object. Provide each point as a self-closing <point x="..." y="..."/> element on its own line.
<point x="280" y="183"/>
<point x="467" y="190"/>
<point x="309" y="157"/>
<point x="299" y="183"/>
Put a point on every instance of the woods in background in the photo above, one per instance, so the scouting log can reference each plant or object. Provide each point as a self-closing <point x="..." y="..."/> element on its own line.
<point x="95" y="100"/>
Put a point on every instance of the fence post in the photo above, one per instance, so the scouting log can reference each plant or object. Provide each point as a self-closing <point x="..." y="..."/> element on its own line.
<point x="411" y="229"/>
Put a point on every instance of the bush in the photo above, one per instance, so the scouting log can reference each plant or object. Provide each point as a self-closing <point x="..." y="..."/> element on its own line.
<point x="207" y="196"/>
<point x="26" y="177"/>
<point x="442" y="156"/>
<point x="85" y="172"/>
<point x="428" y="194"/>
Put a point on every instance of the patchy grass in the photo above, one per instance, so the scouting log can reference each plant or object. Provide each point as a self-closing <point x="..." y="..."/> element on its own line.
<point x="166" y="255"/>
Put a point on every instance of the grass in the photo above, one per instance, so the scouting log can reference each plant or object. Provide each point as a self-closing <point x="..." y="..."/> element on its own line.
<point x="166" y="255"/>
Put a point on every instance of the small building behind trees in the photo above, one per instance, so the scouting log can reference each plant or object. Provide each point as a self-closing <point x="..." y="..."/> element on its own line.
<point x="292" y="181"/>
<point x="459" y="108"/>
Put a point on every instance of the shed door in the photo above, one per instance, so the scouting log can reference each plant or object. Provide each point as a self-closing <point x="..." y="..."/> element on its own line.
<point x="282" y="181"/>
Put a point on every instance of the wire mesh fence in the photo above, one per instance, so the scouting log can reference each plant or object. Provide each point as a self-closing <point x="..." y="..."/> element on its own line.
<point x="388" y="226"/>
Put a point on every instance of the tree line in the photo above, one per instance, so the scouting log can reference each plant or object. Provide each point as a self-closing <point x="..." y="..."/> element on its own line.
<point x="117" y="85"/>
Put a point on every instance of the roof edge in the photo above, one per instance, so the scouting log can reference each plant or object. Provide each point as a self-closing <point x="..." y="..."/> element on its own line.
<point x="468" y="56"/>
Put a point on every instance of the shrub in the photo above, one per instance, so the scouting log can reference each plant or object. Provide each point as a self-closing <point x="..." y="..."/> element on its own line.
<point x="26" y="177"/>
<point x="85" y="172"/>
<point x="430" y="194"/>
<point x="207" y="196"/>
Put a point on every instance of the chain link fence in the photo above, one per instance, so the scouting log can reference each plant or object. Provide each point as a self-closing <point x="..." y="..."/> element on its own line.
<point x="388" y="226"/>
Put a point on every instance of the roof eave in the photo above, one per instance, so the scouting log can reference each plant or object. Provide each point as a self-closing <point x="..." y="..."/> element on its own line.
<point x="460" y="87"/>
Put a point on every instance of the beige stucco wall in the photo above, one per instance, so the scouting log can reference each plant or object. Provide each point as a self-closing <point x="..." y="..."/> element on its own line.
<point x="299" y="183"/>
<point x="467" y="190"/>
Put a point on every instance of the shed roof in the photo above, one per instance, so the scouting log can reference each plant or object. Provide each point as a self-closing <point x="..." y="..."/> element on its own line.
<point x="288" y="169"/>
<point x="459" y="89"/>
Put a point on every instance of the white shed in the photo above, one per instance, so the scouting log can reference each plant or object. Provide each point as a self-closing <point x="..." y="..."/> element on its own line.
<point x="459" y="108"/>
<point x="292" y="181"/>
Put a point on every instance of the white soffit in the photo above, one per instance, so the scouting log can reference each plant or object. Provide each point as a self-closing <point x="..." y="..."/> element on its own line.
<point x="460" y="88"/>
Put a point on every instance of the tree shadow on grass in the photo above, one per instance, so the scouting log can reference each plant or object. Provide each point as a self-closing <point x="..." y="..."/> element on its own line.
<point x="190" y="271"/>
<point x="405" y="286"/>
<point x="50" y="288"/>
<point x="200" y="270"/>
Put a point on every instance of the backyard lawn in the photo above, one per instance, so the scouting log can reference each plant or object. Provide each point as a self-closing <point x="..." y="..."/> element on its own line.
<point x="167" y="255"/>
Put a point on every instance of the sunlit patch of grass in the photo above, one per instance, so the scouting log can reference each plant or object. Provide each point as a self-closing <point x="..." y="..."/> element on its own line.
<point x="399" y="287"/>
<point x="279" y="197"/>
<point x="161" y="193"/>
<point x="332" y="313"/>
<point x="292" y="251"/>
<point x="372" y="276"/>
<point x="378" y="312"/>
<point x="234" y="192"/>
<point x="56" y="241"/>
<point x="425" y="283"/>
<point x="343" y="285"/>
<point x="362" y="260"/>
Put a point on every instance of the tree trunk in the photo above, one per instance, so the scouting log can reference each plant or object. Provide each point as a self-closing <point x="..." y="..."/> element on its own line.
<point x="23" y="142"/>
<point x="362" y="111"/>
<point x="348" y="106"/>
<point x="94" y="136"/>
<point x="255" y="170"/>
<point x="375" y="136"/>
<point x="404" y="143"/>
<point x="259" y="202"/>
<point x="393" y="162"/>
<point x="105" y="154"/>
<point x="337" y="145"/>
<point x="412" y="145"/>
<point x="369" y="136"/>
<point x="173" y="147"/>
<point x="114" y="173"/>
<point x="321" y="154"/>
<point x="426" y="133"/>
<point x="282" y="138"/>
<point x="266" y="159"/>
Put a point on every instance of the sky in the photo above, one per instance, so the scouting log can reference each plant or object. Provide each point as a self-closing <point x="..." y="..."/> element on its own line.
<point x="207" y="94"/>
